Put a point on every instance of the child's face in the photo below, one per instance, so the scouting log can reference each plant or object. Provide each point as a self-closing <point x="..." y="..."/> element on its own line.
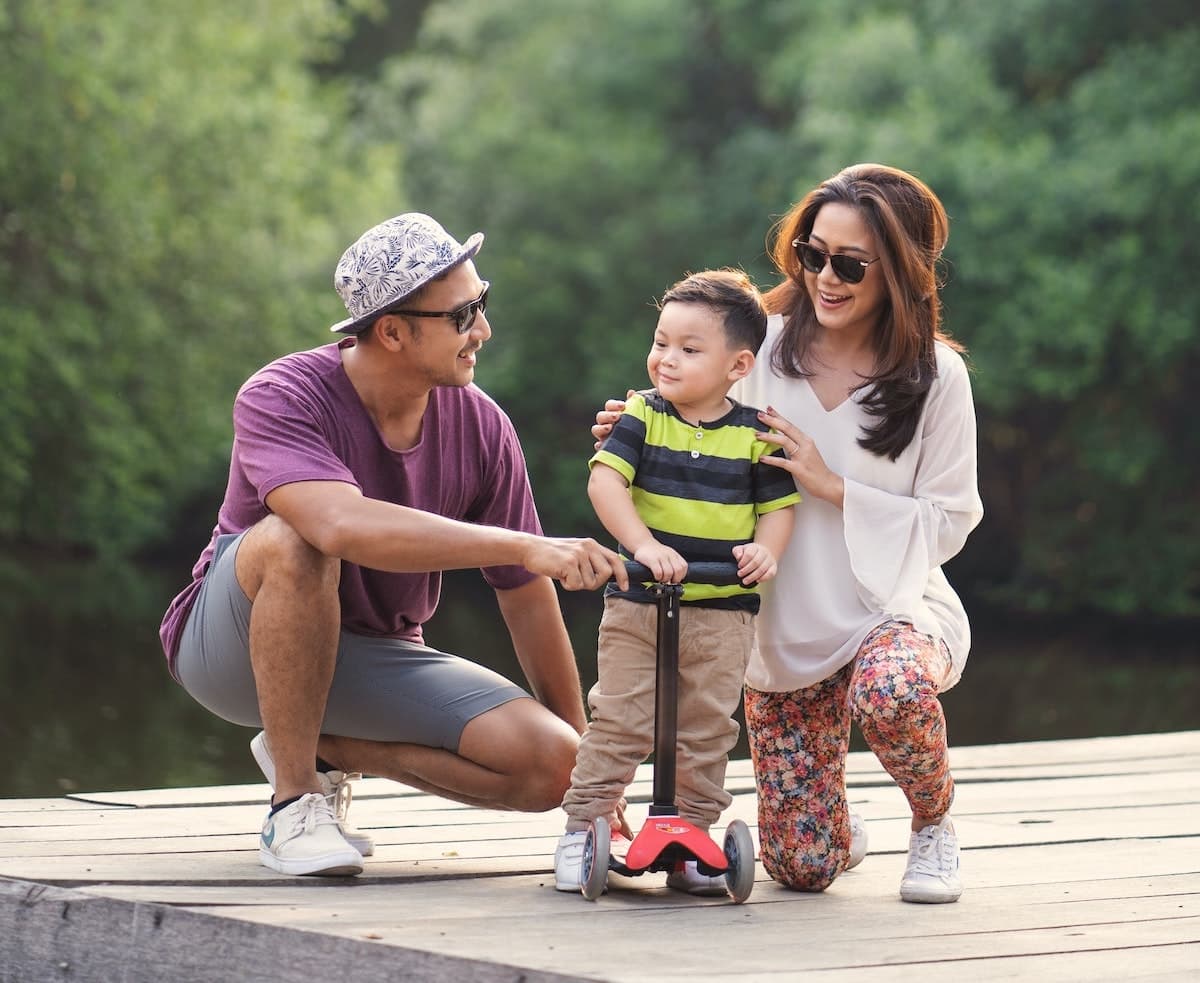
<point x="690" y="362"/>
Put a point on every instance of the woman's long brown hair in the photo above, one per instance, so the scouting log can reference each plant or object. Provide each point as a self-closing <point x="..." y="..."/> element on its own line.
<point x="910" y="228"/>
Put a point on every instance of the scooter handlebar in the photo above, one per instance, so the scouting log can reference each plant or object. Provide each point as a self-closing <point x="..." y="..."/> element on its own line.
<point x="716" y="574"/>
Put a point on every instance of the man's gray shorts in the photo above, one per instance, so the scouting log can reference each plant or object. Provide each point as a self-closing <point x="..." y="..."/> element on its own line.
<point x="383" y="689"/>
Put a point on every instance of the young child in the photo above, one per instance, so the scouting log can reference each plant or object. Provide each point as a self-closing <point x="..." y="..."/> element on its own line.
<point x="679" y="481"/>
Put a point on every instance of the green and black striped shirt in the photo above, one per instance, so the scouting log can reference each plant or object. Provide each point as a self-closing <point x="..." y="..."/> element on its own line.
<point x="699" y="488"/>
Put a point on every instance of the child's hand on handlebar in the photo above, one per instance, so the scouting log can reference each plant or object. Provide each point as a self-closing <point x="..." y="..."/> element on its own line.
<point x="667" y="565"/>
<point x="755" y="562"/>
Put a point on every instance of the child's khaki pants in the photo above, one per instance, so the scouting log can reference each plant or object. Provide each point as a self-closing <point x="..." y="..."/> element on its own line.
<point x="714" y="646"/>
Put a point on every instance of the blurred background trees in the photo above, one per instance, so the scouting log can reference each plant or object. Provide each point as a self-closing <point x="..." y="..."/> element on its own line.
<point x="177" y="183"/>
<point x="172" y="181"/>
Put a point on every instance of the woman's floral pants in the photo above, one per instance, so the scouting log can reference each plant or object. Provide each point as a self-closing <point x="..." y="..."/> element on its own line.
<point x="799" y="741"/>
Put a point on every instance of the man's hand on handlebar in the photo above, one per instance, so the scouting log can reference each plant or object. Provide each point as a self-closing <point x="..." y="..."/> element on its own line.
<point x="577" y="564"/>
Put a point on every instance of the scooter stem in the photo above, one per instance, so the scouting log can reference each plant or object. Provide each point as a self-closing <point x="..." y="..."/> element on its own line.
<point x="666" y="699"/>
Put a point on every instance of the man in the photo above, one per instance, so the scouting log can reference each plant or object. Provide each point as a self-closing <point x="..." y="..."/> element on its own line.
<point x="359" y="470"/>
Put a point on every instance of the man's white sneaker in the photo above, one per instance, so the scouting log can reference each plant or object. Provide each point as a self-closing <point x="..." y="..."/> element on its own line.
<point x="334" y="784"/>
<point x="932" y="873"/>
<point x="686" y="877"/>
<point x="303" y="838"/>
<point x="858" y="841"/>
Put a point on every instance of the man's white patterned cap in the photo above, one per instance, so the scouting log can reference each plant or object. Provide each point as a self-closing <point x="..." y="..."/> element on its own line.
<point x="393" y="261"/>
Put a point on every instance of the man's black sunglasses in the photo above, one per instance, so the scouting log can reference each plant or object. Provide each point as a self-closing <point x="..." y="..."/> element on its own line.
<point x="463" y="317"/>
<point x="848" y="268"/>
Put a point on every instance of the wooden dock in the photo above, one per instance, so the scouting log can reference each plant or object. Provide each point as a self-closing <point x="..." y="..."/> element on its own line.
<point x="1081" y="862"/>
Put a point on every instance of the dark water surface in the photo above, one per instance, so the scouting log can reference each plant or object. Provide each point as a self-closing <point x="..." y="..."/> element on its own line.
<point x="87" y="704"/>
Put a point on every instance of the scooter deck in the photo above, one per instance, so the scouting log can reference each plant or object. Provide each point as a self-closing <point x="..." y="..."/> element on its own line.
<point x="665" y="840"/>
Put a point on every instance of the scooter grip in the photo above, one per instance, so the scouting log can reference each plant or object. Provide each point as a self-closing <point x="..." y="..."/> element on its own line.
<point x="714" y="573"/>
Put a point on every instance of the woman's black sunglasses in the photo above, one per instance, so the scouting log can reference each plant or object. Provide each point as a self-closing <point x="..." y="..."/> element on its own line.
<point x="848" y="268"/>
<point x="463" y="317"/>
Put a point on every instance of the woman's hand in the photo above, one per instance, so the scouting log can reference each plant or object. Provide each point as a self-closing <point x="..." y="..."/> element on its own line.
<point x="803" y="459"/>
<point x="613" y="408"/>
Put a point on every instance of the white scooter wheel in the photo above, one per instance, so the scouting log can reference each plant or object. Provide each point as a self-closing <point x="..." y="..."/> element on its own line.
<point x="739" y="854"/>
<point x="596" y="849"/>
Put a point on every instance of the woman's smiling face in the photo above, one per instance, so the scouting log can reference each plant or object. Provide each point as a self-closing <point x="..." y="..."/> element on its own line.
<point x="842" y="306"/>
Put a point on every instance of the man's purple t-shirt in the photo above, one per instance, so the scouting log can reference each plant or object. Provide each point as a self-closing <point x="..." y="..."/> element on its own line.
<point x="300" y="419"/>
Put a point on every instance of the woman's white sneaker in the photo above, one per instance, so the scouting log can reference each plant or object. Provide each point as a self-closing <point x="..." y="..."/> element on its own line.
<point x="303" y="838"/>
<point x="932" y="873"/>
<point x="858" y="841"/>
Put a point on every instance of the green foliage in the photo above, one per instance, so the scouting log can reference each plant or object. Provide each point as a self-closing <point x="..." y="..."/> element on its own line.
<point x="607" y="152"/>
<point x="572" y="137"/>
<point x="174" y="192"/>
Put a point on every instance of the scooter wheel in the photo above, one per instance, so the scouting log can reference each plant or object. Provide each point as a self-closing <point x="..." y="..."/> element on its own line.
<point x="739" y="854"/>
<point x="596" y="849"/>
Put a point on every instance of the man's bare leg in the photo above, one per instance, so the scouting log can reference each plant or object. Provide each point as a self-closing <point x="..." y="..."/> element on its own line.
<point x="294" y="626"/>
<point x="517" y="756"/>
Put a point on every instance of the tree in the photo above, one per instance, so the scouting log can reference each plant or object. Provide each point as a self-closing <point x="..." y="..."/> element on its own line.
<point x="174" y="194"/>
<point x="609" y="151"/>
<point x="578" y="140"/>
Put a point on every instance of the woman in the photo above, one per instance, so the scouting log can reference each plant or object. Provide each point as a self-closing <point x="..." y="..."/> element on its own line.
<point x="872" y="404"/>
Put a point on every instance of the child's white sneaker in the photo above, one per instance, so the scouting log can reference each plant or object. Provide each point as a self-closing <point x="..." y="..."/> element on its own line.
<point x="303" y="838"/>
<point x="568" y="861"/>
<point x="568" y="858"/>
<point x="686" y="877"/>
<point x="932" y="873"/>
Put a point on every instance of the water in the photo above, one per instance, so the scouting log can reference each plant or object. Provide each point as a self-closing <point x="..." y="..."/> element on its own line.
<point x="88" y="704"/>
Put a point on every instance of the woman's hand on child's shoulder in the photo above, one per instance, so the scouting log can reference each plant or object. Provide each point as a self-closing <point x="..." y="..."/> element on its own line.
<point x="605" y="418"/>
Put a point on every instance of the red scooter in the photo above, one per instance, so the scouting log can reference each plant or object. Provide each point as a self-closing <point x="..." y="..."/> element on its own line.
<point x="666" y="838"/>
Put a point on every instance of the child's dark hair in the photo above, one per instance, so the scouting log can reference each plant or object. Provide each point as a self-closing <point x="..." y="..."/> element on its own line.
<point x="732" y="294"/>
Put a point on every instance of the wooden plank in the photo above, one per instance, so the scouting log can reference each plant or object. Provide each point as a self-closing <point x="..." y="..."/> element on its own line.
<point x="13" y="807"/>
<point x="537" y="839"/>
<point x="1012" y="912"/>
<point x="1118" y="748"/>
<point x="1096" y="756"/>
<point x="985" y="881"/>
<point x="843" y="930"/>
<point x="1115" y="755"/>
<point x="1080" y="853"/>
<point x="1148" y="964"/>
<point x="50" y="933"/>
<point x="1029" y="802"/>
<point x="402" y="862"/>
<point x="1094" y="808"/>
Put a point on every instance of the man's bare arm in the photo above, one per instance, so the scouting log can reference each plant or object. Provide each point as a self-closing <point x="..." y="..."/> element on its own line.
<point x="543" y="648"/>
<point x="338" y="520"/>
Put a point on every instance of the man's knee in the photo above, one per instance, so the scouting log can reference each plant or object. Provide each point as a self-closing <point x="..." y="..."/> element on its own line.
<point x="549" y="775"/>
<point x="531" y="747"/>
<point x="273" y="551"/>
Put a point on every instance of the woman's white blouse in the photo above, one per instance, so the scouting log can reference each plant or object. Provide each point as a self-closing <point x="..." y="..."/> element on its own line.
<point x="845" y="571"/>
